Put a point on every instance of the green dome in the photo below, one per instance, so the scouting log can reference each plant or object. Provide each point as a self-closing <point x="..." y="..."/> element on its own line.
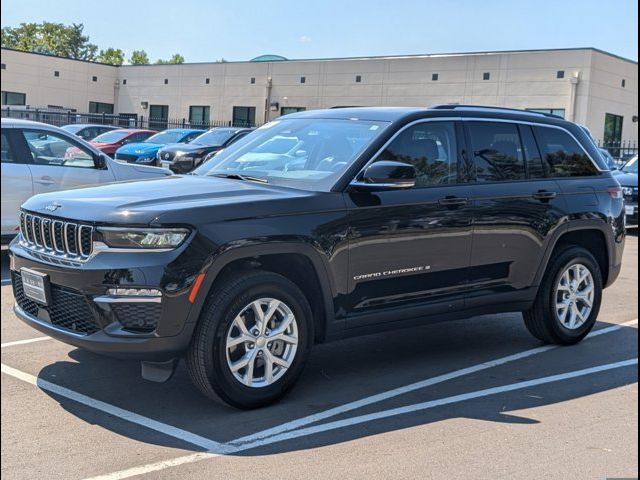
<point x="268" y="58"/>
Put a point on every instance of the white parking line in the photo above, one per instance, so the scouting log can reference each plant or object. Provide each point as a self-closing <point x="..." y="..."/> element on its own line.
<point x="154" y="467"/>
<point x="316" y="417"/>
<point x="118" y="412"/>
<point x="281" y="431"/>
<point x="24" y="342"/>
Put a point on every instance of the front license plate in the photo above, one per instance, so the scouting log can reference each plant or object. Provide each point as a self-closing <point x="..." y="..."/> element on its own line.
<point x="166" y="164"/>
<point x="35" y="285"/>
<point x="630" y="209"/>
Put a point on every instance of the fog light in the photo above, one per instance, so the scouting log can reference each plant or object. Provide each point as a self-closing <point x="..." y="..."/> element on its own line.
<point x="135" y="292"/>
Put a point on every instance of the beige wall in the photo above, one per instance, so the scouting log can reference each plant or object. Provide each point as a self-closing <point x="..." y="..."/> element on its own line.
<point x="518" y="80"/>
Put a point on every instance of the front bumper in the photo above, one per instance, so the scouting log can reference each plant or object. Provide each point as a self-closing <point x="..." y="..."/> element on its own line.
<point x="81" y="312"/>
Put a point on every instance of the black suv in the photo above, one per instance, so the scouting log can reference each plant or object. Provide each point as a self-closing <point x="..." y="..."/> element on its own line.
<point x="321" y="225"/>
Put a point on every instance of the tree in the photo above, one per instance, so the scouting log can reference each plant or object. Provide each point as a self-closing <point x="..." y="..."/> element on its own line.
<point x="51" y="38"/>
<point x="175" y="58"/>
<point x="112" y="56"/>
<point x="139" y="57"/>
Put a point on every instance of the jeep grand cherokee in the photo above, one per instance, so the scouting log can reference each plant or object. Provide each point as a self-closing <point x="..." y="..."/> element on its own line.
<point x="372" y="219"/>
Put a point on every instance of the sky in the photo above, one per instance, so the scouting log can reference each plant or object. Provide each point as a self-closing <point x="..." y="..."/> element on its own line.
<point x="209" y="30"/>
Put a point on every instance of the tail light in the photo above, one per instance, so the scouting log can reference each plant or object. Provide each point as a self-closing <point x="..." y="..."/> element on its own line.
<point x="615" y="193"/>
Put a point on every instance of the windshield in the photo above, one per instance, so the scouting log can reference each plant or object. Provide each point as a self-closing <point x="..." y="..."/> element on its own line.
<point x="308" y="153"/>
<point x="631" y="166"/>
<point x="111" y="137"/>
<point x="165" y="137"/>
<point x="72" y="128"/>
<point x="213" y="138"/>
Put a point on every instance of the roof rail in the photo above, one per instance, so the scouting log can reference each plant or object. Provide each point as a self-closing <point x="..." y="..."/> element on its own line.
<point x="453" y="106"/>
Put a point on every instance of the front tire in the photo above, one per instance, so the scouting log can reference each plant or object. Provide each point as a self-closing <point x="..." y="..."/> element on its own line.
<point x="569" y="298"/>
<point x="252" y="340"/>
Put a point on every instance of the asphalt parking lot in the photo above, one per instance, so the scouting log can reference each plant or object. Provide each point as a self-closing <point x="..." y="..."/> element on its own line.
<point x="478" y="398"/>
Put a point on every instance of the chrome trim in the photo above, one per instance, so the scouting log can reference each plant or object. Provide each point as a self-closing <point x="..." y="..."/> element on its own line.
<point x="101" y="247"/>
<point x="127" y="299"/>
<point x="33" y="228"/>
<point x="80" y="250"/>
<point x="470" y="119"/>
<point x="55" y="243"/>
<point x="26" y="228"/>
<point x="66" y="239"/>
<point x="43" y="230"/>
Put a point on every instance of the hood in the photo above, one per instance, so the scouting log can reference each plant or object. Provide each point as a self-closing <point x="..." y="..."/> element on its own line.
<point x="190" y="147"/>
<point x="626" y="179"/>
<point x="174" y="199"/>
<point x="140" y="148"/>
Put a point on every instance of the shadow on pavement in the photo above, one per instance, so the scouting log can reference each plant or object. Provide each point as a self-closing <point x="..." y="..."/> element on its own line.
<point x="349" y="370"/>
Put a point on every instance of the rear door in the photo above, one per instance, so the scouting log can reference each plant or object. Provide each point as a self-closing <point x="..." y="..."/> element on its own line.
<point x="17" y="184"/>
<point x="52" y="169"/>
<point x="516" y="206"/>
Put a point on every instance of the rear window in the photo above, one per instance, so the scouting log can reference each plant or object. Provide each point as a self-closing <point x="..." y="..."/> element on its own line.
<point x="562" y="154"/>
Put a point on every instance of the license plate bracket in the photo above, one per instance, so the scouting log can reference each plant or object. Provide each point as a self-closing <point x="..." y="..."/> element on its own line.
<point x="36" y="286"/>
<point x="630" y="209"/>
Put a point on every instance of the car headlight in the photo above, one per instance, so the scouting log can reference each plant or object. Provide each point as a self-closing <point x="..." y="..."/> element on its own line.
<point x="145" y="159"/>
<point x="143" y="238"/>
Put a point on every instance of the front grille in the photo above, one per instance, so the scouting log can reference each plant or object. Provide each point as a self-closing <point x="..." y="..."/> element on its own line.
<point x="631" y="194"/>
<point x="126" y="157"/>
<point x="56" y="237"/>
<point x="69" y="308"/>
<point x="138" y="317"/>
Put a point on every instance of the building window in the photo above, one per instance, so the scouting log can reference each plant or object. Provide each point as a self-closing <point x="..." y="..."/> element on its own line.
<point x="623" y="83"/>
<point x="358" y="78"/>
<point x="612" y="128"/>
<point x="56" y="73"/>
<point x="253" y="80"/>
<point x="124" y="81"/>
<point x="288" y="110"/>
<point x="158" y="116"/>
<point x="303" y="79"/>
<point x="199" y="115"/>
<point x="94" y="79"/>
<point x="14" y="98"/>
<point x="244" y="116"/>
<point x="166" y="81"/>
<point x="207" y="81"/>
<point x="558" y="112"/>
<point x="486" y="76"/>
<point x="99" y="107"/>
<point x="3" y="66"/>
<point x="560" y="74"/>
<point x="435" y="76"/>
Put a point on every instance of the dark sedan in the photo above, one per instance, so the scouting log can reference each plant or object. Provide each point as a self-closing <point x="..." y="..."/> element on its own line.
<point x="182" y="158"/>
<point x="628" y="178"/>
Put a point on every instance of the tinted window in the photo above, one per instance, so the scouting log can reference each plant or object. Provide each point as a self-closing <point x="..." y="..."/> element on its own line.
<point x="111" y="136"/>
<point x="497" y="151"/>
<point x="535" y="168"/>
<point x="7" y="151"/>
<point x="55" y="150"/>
<point x="563" y="155"/>
<point x="431" y="148"/>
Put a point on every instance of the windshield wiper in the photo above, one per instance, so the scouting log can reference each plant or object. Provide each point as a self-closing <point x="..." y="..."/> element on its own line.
<point x="237" y="176"/>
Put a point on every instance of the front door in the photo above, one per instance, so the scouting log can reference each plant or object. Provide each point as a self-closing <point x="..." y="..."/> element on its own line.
<point x="409" y="249"/>
<point x="57" y="162"/>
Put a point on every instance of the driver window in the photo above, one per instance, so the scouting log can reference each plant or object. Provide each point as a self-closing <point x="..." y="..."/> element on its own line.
<point x="431" y="148"/>
<point x="497" y="151"/>
<point x="53" y="149"/>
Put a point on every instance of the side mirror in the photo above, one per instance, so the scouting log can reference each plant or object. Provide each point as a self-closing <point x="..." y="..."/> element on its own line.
<point x="386" y="175"/>
<point x="100" y="161"/>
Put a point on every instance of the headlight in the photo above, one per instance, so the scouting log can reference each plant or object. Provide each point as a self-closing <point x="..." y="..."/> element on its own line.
<point x="145" y="159"/>
<point x="144" y="238"/>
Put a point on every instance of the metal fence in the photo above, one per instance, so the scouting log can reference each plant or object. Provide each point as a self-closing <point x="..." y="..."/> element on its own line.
<point x="61" y="117"/>
<point x="620" y="150"/>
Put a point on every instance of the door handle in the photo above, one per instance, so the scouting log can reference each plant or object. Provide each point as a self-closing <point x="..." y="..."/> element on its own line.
<point x="544" y="195"/>
<point x="453" y="201"/>
<point x="46" y="180"/>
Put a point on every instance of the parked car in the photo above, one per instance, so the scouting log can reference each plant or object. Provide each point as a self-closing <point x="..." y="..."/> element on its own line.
<point x="88" y="131"/>
<point x="628" y="178"/>
<point x="32" y="163"/>
<point x="379" y="218"/>
<point x="185" y="157"/>
<point x="109" y="142"/>
<point x="145" y="152"/>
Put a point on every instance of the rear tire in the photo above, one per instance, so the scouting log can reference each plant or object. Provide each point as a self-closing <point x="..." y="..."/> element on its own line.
<point x="568" y="300"/>
<point x="230" y="333"/>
